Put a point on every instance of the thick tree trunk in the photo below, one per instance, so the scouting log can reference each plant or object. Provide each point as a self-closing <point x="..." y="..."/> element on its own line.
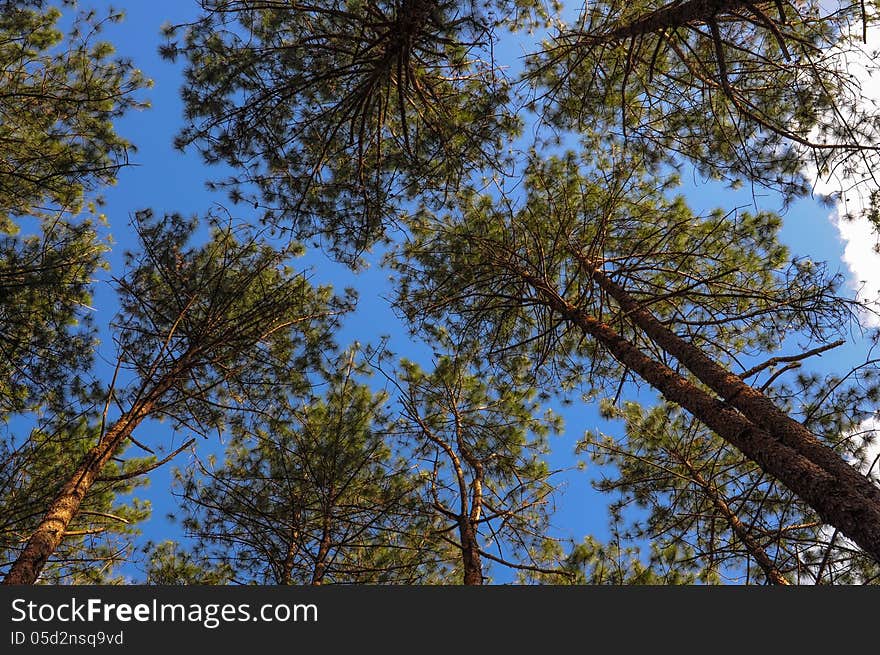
<point x="838" y="500"/>
<point x="670" y="16"/>
<point x="757" y="407"/>
<point x="51" y="530"/>
<point x="470" y="553"/>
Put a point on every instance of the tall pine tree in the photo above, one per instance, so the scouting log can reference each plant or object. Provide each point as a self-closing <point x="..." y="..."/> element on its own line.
<point x="200" y="331"/>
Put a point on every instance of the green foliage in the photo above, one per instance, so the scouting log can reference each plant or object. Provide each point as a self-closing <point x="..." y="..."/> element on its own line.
<point x="745" y="92"/>
<point x="594" y="563"/>
<point x="47" y="333"/>
<point x="168" y="564"/>
<point x="479" y="440"/>
<point x="210" y="327"/>
<point x="724" y="281"/>
<point x="59" y="95"/>
<point x="312" y="494"/>
<point x="341" y="113"/>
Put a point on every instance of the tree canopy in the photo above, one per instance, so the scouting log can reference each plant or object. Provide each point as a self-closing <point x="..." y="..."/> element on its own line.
<point x="514" y="167"/>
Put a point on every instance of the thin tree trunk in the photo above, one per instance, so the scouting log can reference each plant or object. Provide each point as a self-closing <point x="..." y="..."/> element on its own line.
<point x="837" y="501"/>
<point x="467" y="516"/>
<point x="290" y="555"/>
<point x="51" y="530"/>
<point x="773" y="574"/>
<point x="323" y="551"/>
<point x="468" y="520"/>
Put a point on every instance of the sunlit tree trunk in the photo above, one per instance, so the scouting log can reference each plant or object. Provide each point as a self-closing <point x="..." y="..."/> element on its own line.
<point x="50" y="532"/>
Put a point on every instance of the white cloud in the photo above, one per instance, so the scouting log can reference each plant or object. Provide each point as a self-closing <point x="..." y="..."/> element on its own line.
<point x="858" y="235"/>
<point x="860" y="256"/>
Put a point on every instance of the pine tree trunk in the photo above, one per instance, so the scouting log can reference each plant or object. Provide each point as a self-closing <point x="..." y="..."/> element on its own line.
<point x="470" y="553"/>
<point x="757" y="407"/>
<point x="323" y="552"/>
<point x="50" y="532"/>
<point x="292" y="551"/>
<point x="671" y="16"/>
<point x="838" y="499"/>
<point x="773" y="574"/>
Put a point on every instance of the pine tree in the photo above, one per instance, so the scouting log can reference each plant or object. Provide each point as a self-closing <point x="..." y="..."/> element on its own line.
<point x="342" y="116"/>
<point x="59" y="97"/>
<point x="310" y="493"/>
<point x="47" y="329"/>
<point x="98" y="537"/>
<point x="704" y="497"/>
<point x="480" y="439"/>
<point x="342" y="113"/>
<point x="358" y="123"/>
<point x="601" y="278"/>
<point x="201" y="330"/>
<point x="747" y="91"/>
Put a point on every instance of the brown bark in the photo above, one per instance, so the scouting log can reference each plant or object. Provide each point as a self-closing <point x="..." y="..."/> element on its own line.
<point x="675" y="14"/>
<point x="51" y="530"/>
<point x="467" y="517"/>
<point x="837" y="501"/>
<point x="756" y="406"/>
<point x="324" y="544"/>
<point x="756" y="550"/>
<point x="470" y="553"/>
<point x="292" y="551"/>
<point x="467" y="522"/>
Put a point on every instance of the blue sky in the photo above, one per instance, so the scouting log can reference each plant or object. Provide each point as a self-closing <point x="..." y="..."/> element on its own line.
<point x="167" y="180"/>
